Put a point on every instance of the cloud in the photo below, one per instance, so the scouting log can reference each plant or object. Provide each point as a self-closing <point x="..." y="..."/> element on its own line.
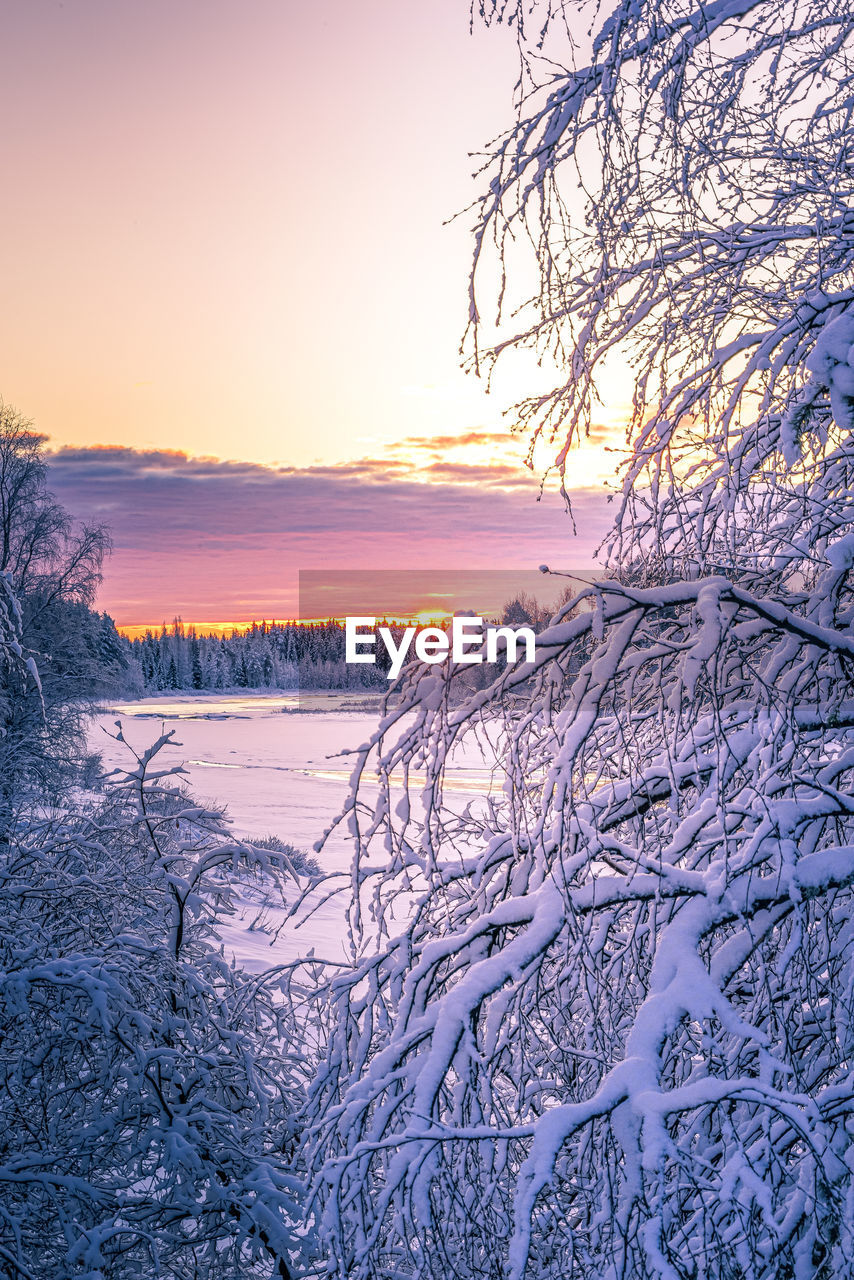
<point x="207" y="538"/>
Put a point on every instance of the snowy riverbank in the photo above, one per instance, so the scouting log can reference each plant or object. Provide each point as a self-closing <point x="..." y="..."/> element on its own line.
<point x="278" y="765"/>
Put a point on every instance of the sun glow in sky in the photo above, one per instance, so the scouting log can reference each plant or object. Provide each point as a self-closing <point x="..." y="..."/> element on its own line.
<point x="226" y="234"/>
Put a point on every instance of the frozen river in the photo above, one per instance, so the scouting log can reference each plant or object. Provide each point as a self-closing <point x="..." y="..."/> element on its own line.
<point x="275" y="763"/>
<point x="272" y="764"/>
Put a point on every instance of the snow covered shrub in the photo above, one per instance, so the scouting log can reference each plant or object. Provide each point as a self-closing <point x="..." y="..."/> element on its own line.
<point x="615" y="1037"/>
<point x="297" y="860"/>
<point x="148" y="1088"/>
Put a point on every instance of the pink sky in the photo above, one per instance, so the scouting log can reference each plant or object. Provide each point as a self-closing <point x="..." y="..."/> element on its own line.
<point x="211" y="540"/>
<point x="223" y="236"/>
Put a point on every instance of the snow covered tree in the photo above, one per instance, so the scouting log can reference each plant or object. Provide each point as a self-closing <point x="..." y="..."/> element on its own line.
<point x="52" y="566"/>
<point x="614" y="1038"/>
<point x="197" y="676"/>
<point x="148" y="1087"/>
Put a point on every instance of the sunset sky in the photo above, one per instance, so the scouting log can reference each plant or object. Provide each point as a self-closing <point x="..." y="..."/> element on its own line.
<point x="231" y="303"/>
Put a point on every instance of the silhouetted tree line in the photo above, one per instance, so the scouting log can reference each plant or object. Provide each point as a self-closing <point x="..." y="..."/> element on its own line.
<point x="277" y="655"/>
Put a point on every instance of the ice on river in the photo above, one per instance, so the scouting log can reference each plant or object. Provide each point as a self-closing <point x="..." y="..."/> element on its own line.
<point x="276" y="764"/>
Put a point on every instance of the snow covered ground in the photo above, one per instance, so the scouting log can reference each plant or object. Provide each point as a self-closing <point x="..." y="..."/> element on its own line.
<point x="275" y="763"/>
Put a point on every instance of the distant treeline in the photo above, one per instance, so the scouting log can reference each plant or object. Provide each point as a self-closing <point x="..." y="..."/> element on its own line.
<point x="278" y="655"/>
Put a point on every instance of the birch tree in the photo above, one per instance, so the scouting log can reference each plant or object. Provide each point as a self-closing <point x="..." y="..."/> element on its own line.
<point x="614" y="1038"/>
<point x="53" y="568"/>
